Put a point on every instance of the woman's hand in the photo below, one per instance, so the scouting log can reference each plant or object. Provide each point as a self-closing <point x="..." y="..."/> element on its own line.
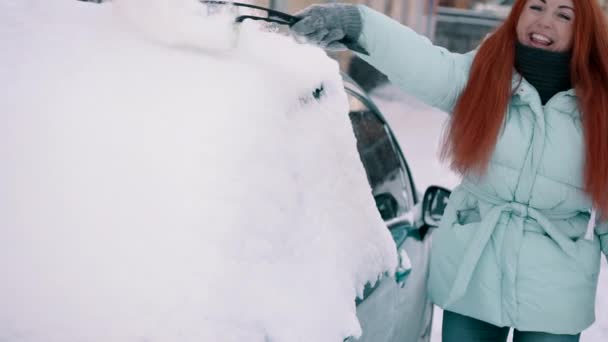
<point x="330" y="26"/>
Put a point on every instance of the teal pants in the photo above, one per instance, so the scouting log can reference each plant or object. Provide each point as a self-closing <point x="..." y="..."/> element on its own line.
<point x="459" y="328"/>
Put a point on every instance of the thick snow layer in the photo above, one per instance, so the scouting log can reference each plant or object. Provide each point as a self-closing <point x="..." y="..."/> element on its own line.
<point x="159" y="187"/>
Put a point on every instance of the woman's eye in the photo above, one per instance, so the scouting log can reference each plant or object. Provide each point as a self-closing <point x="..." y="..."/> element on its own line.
<point x="564" y="16"/>
<point x="536" y="8"/>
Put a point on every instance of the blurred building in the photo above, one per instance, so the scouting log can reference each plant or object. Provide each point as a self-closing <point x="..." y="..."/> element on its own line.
<point x="458" y="25"/>
<point x="415" y="13"/>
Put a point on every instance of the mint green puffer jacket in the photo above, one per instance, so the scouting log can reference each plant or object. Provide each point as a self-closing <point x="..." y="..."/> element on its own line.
<point x="515" y="247"/>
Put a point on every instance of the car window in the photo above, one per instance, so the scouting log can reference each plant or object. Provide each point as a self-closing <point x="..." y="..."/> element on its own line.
<point x="382" y="160"/>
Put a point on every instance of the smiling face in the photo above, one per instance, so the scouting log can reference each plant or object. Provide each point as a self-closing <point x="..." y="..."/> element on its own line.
<point x="547" y="24"/>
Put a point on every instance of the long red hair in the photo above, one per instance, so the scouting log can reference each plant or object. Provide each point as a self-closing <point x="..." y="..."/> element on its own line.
<point x="481" y="108"/>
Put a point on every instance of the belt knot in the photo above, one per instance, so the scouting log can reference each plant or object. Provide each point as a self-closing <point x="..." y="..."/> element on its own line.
<point x="519" y="209"/>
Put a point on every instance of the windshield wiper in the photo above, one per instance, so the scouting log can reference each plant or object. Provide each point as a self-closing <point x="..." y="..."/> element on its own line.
<point x="277" y="17"/>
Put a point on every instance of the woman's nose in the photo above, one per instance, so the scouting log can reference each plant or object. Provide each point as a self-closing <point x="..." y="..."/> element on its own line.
<point x="545" y="20"/>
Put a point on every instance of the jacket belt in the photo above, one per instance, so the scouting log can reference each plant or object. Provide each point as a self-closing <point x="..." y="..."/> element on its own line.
<point x="487" y="227"/>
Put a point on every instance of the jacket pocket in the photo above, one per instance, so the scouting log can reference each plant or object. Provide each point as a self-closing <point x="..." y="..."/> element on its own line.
<point x="466" y="216"/>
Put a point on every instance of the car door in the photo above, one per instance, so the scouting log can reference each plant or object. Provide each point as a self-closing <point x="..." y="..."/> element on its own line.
<point x="390" y="311"/>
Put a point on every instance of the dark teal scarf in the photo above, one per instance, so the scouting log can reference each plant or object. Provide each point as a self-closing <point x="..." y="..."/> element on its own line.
<point x="547" y="71"/>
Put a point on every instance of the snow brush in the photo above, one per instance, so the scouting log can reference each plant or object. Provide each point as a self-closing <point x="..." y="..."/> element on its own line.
<point x="276" y="17"/>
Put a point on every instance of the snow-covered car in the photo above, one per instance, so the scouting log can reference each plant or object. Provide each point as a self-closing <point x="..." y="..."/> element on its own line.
<point x="168" y="175"/>
<point x="389" y="310"/>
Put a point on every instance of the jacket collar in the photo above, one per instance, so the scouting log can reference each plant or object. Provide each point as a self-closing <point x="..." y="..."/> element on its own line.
<point x="527" y="93"/>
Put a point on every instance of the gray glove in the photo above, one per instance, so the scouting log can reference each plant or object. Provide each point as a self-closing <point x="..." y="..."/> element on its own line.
<point x="333" y="27"/>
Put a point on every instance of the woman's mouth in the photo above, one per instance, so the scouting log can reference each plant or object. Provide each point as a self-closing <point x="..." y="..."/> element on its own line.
<point x="539" y="40"/>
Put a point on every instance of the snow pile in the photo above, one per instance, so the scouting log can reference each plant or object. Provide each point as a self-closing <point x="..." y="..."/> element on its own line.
<point x="182" y="23"/>
<point x="151" y="190"/>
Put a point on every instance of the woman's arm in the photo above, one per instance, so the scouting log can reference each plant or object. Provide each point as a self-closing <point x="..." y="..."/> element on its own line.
<point x="430" y="73"/>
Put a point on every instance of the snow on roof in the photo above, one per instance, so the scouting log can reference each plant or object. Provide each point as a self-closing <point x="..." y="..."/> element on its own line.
<point x="158" y="189"/>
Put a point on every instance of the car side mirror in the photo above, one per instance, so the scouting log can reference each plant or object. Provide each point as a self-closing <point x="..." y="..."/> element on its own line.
<point x="433" y="204"/>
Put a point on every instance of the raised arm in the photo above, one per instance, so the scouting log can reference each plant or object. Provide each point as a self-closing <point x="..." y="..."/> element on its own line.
<point x="430" y="73"/>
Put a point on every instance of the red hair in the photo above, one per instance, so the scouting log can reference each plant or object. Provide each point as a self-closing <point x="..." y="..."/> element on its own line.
<point x="481" y="108"/>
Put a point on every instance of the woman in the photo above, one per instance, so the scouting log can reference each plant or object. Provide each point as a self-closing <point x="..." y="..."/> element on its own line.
<point x="518" y="246"/>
